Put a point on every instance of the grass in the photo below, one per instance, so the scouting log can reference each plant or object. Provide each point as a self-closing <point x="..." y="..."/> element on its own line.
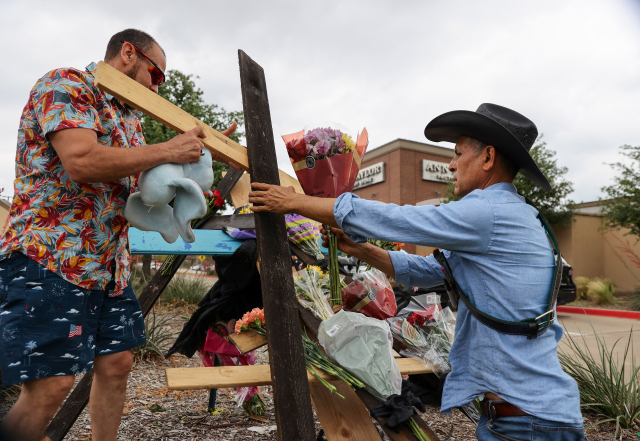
<point x="602" y="290"/>
<point x="159" y="336"/>
<point x="582" y="285"/>
<point x="185" y="289"/>
<point x="607" y="387"/>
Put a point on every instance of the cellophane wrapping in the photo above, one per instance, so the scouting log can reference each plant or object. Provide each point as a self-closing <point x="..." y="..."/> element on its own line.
<point x="364" y="347"/>
<point x="428" y="334"/>
<point x="312" y="288"/>
<point x="371" y="294"/>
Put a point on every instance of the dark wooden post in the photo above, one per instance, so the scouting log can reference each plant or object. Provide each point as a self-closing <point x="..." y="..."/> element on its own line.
<point x="288" y="372"/>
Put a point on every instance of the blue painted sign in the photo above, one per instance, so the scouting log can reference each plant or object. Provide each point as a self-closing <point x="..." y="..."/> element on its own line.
<point x="208" y="242"/>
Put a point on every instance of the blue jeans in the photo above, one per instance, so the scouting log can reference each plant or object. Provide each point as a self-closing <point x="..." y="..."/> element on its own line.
<point x="527" y="428"/>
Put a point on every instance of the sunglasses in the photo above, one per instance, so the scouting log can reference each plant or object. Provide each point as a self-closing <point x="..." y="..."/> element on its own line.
<point x="157" y="76"/>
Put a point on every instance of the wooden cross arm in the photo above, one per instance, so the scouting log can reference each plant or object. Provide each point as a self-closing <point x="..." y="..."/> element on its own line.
<point x="257" y="375"/>
<point x="153" y="105"/>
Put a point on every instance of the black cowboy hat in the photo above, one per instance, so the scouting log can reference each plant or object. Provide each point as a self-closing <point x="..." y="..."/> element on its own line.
<point x="508" y="131"/>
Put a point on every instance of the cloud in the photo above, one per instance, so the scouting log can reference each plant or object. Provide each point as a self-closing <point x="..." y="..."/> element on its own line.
<point x="116" y="327"/>
<point x="572" y="67"/>
<point x="60" y="320"/>
<point x="37" y="287"/>
<point x="36" y="354"/>
<point x="115" y="342"/>
<point x="67" y="355"/>
<point x="17" y="363"/>
<point x="73" y="311"/>
<point x="106" y="350"/>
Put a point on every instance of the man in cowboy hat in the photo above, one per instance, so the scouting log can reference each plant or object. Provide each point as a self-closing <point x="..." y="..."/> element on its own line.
<point x="501" y="258"/>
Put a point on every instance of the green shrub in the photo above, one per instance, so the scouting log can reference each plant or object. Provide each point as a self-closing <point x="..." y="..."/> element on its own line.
<point x="159" y="336"/>
<point x="138" y="281"/>
<point x="582" y="288"/>
<point x="185" y="288"/>
<point x="606" y="386"/>
<point x="635" y="299"/>
<point x="601" y="290"/>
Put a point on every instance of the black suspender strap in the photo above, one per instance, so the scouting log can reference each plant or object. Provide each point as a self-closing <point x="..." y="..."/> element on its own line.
<point x="531" y="327"/>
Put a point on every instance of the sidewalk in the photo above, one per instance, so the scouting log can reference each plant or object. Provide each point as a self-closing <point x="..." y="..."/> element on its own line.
<point x="612" y="329"/>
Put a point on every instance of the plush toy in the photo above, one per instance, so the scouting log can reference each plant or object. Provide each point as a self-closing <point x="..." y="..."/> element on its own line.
<point x="149" y="209"/>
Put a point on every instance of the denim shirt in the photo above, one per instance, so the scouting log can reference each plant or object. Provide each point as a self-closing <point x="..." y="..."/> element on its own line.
<point x="501" y="258"/>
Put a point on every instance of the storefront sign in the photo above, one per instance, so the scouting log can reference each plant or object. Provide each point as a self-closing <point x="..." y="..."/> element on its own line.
<point x="374" y="174"/>
<point x="436" y="171"/>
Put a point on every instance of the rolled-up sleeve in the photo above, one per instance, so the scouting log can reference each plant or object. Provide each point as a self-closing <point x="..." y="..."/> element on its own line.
<point x="463" y="226"/>
<point x="415" y="270"/>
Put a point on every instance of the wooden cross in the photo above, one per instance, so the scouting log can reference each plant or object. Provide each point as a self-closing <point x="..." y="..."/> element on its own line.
<point x="288" y="373"/>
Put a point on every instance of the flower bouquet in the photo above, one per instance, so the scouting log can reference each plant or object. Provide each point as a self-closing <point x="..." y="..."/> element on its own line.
<point x="312" y="287"/>
<point x="370" y="294"/>
<point x="252" y="321"/>
<point x="428" y="334"/>
<point x="327" y="162"/>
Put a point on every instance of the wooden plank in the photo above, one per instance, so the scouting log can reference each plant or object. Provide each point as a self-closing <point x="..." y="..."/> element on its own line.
<point x="136" y="95"/>
<point x="240" y="221"/>
<point x="257" y="375"/>
<point x="240" y="193"/>
<point x="71" y="409"/>
<point x="342" y="419"/>
<point x="248" y="341"/>
<point x="211" y="243"/>
<point x="294" y="416"/>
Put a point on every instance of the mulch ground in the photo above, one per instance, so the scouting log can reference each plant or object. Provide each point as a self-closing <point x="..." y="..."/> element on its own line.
<point x="623" y="300"/>
<point x="185" y="416"/>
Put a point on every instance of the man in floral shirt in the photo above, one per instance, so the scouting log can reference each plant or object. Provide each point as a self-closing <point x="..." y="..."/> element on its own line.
<point x="65" y="301"/>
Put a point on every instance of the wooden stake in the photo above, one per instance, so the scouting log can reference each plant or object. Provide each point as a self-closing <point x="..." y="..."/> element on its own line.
<point x="292" y="402"/>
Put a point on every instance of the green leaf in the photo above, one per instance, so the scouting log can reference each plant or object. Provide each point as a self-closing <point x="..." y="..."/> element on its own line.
<point x="157" y="408"/>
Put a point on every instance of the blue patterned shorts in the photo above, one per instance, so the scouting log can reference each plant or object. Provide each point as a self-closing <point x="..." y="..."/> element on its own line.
<point x="51" y="327"/>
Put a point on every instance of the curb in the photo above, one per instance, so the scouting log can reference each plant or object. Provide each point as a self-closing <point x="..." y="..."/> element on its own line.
<point x="635" y="315"/>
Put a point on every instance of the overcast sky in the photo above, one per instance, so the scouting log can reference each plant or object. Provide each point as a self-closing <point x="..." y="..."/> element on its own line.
<point x="573" y="67"/>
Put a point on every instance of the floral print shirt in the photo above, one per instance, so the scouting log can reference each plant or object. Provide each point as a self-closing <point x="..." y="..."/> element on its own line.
<point x="76" y="230"/>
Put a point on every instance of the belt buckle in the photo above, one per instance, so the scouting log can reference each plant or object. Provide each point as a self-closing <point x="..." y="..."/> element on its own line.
<point x="551" y="319"/>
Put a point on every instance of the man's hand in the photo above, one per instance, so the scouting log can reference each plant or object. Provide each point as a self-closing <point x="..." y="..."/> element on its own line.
<point x="272" y="198"/>
<point x="345" y="244"/>
<point x="187" y="147"/>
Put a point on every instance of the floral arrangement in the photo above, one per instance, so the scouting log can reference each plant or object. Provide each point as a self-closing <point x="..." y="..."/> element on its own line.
<point x="327" y="161"/>
<point x="252" y="321"/>
<point x="312" y="286"/>
<point x="424" y="317"/>
<point x="304" y="233"/>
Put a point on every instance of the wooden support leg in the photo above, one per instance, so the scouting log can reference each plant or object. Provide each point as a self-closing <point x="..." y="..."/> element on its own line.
<point x="342" y="419"/>
<point x="292" y="402"/>
<point x="79" y="397"/>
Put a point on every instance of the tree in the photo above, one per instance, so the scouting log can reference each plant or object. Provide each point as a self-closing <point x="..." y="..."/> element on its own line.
<point x="554" y="204"/>
<point x="182" y="91"/>
<point x="622" y="209"/>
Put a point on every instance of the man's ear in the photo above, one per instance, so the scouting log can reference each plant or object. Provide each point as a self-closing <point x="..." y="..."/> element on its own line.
<point x="127" y="54"/>
<point x="490" y="158"/>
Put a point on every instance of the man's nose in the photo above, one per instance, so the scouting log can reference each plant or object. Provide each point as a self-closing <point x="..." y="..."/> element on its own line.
<point x="154" y="87"/>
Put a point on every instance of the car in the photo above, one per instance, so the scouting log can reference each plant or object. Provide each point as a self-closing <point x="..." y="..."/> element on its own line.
<point x="566" y="294"/>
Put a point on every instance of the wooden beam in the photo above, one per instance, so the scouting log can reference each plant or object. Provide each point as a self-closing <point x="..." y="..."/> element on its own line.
<point x="294" y="416"/>
<point x="240" y="221"/>
<point x="72" y="407"/>
<point x="248" y="341"/>
<point x="151" y="104"/>
<point x="208" y="243"/>
<point x="257" y="375"/>
<point x="342" y="419"/>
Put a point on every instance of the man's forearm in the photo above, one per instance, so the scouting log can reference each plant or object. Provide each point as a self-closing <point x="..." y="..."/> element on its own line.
<point x="105" y="164"/>
<point x="319" y="209"/>
<point x="376" y="257"/>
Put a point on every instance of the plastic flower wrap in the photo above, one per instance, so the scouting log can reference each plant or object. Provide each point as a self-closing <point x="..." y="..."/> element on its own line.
<point x="312" y="287"/>
<point x="370" y="294"/>
<point x="326" y="160"/>
<point x="304" y="233"/>
<point x="428" y="335"/>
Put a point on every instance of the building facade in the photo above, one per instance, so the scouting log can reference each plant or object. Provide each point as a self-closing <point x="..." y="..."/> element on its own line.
<point x="405" y="172"/>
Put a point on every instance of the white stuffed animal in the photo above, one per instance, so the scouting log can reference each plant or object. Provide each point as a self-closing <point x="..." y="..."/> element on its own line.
<point x="149" y="209"/>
